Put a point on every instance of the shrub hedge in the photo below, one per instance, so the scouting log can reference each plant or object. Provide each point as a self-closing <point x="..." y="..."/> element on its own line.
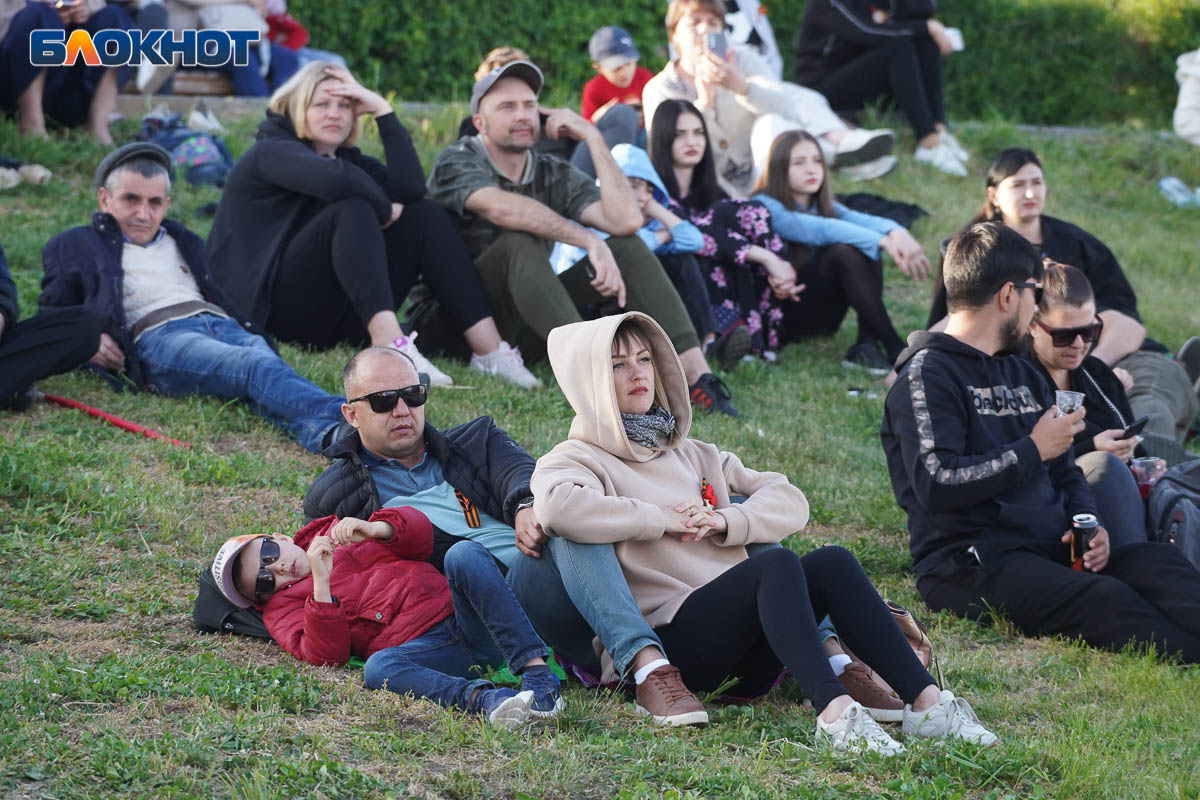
<point x="1041" y="61"/>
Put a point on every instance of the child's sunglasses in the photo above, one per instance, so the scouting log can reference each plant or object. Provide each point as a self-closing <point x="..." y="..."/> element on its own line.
<point x="264" y="584"/>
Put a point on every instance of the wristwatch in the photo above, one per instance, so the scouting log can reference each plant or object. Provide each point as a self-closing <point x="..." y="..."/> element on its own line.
<point x="526" y="503"/>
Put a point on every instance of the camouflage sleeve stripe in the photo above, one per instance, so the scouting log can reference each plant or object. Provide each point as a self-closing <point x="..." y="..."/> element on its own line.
<point x="920" y="406"/>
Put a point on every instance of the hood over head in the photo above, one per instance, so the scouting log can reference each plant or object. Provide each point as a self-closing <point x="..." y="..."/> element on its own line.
<point x="581" y="356"/>
<point x="635" y="163"/>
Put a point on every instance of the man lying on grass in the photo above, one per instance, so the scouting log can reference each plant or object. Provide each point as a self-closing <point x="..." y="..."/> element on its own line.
<point x="350" y="587"/>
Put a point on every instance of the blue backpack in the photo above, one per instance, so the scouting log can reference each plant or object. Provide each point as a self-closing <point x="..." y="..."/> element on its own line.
<point x="1173" y="509"/>
<point x="199" y="157"/>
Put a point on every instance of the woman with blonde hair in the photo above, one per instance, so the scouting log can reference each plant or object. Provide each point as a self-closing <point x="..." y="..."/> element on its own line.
<point x="628" y="475"/>
<point x="319" y="243"/>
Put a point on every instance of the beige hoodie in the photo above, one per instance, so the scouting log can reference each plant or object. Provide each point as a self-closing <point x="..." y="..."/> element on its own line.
<point x="600" y="487"/>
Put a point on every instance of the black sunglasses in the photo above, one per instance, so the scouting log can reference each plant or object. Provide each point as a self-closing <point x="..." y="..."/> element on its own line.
<point x="386" y="400"/>
<point x="1035" y="285"/>
<point x="264" y="584"/>
<point x="1065" y="337"/>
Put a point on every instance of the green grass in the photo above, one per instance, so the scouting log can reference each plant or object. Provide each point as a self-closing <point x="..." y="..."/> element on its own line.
<point x="105" y="691"/>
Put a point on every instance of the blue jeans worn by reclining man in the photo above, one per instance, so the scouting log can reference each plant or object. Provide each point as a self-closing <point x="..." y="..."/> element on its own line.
<point x="472" y="481"/>
<point x="165" y="324"/>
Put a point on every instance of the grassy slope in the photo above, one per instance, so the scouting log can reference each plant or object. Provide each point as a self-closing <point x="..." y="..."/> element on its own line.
<point x="105" y="691"/>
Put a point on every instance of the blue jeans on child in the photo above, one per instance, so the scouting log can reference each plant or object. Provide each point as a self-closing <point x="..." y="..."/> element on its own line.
<point x="207" y="354"/>
<point x="488" y="629"/>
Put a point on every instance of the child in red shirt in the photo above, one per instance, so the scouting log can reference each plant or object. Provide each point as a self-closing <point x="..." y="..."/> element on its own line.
<point x="620" y="78"/>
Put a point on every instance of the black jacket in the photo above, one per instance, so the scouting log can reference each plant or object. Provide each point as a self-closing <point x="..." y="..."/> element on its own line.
<point x="956" y="435"/>
<point x="1104" y="399"/>
<point x="280" y="184"/>
<point x="478" y="459"/>
<point x="8" y="295"/>
<point x="835" y="32"/>
<point x="83" y="268"/>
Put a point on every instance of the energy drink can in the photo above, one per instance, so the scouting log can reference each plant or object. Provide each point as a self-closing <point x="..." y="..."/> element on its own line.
<point x="1083" y="527"/>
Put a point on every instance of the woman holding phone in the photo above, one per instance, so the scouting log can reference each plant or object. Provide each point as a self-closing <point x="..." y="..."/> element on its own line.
<point x="1062" y="333"/>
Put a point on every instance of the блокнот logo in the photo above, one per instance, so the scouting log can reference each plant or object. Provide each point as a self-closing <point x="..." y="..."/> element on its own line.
<point x="114" y="47"/>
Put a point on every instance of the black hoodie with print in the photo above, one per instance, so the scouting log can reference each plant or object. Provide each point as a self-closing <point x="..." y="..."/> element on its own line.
<point x="956" y="435"/>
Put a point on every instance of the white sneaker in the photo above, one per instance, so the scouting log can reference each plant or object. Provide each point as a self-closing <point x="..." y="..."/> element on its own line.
<point x="870" y="170"/>
<point x="941" y="158"/>
<point x="855" y="729"/>
<point x="950" y="717"/>
<point x="860" y="145"/>
<point x="505" y="362"/>
<point x="951" y="141"/>
<point x="408" y="346"/>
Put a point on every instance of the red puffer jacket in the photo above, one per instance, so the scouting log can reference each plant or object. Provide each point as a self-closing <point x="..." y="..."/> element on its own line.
<point x="384" y="594"/>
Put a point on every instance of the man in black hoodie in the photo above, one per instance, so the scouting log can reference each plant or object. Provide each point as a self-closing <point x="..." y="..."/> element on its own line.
<point x="982" y="463"/>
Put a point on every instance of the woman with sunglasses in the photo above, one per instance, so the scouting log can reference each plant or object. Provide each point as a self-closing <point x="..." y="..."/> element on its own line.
<point x="1064" y="330"/>
<point x="352" y="587"/>
<point x="1160" y="388"/>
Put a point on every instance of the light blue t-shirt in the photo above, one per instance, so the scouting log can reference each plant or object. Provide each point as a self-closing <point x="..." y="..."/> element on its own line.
<point x="424" y="488"/>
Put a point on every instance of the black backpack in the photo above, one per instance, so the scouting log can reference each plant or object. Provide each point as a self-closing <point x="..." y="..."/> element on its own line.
<point x="213" y="613"/>
<point x="1173" y="509"/>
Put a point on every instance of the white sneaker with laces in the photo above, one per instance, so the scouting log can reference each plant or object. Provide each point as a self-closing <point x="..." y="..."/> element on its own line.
<point x="950" y="717"/>
<point x="855" y="729"/>
<point x="941" y="158"/>
<point x="408" y="346"/>
<point x="870" y="170"/>
<point x="506" y="362"/>
<point x="951" y="141"/>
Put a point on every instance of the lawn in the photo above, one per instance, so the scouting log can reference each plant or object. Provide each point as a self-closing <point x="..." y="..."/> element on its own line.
<point x="105" y="690"/>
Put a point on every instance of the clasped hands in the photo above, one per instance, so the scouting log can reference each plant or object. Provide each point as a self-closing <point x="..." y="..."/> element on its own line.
<point x="691" y="521"/>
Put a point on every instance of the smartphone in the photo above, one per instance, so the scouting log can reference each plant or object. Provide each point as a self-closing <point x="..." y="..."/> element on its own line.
<point x="716" y="43"/>
<point x="1134" y="428"/>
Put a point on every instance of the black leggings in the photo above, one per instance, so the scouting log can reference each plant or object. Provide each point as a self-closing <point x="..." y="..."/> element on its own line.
<point x="909" y="69"/>
<point x="837" y="278"/>
<point x="761" y="615"/>
<point x="684" y="271"/>
<point x="341" y="268"/>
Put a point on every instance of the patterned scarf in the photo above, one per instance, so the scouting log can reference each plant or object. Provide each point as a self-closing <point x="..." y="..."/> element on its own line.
<point x="650" y="430"/>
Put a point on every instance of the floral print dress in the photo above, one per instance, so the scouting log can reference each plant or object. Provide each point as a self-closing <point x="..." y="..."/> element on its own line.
<point x="738" y="288"/>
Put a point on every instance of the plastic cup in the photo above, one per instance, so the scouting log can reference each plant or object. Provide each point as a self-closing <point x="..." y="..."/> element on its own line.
<point x="1146" y="471"/>
<point x="1067" y="402"/>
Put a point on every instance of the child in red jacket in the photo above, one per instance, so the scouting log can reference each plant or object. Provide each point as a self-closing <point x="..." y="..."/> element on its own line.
<point x="352" y="587"/>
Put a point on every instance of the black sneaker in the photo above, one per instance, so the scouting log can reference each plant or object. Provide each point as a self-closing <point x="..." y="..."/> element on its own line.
<point x="867" y="355"/>
<point x="729" y="348"/>
<point x="20" y="401"/>
<point x="710" y="393"/>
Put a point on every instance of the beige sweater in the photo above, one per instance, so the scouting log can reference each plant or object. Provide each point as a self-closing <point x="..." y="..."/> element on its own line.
<point x="599" y="487"/>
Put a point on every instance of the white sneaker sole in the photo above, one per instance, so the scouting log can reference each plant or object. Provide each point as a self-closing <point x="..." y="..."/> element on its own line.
<point x="512" y="713"/>
<point x="876" y="371"/>
<point x="677" y="720"/>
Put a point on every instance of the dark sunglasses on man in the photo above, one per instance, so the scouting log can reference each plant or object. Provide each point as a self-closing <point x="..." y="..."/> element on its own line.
<point x="383" y="402"/>
<point x="1035" y="285"/>
<point x="1065" y="337"/>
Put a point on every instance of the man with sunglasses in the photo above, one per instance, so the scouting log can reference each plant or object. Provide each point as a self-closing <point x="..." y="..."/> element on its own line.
<point x="354" y="587"/>
<point x="472" y="482"/>
<point x="983" y="464"/>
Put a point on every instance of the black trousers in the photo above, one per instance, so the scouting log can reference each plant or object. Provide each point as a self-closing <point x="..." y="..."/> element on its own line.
<point x="46" y="344"/>
<point x="341" y="268"/>
<point x="837" y="278"/>
<point x="762" y="614"/>
<point x="1148" y="594"/>
<point x="684" y="271"/>
<point x="910" y="70"/>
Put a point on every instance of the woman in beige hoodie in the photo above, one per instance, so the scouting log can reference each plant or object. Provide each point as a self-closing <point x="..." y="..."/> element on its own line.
<point x="629" y="476"/>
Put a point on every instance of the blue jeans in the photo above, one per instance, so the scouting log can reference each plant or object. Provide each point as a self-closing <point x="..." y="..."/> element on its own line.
<point x="488" y="629"/>
<point x="212" y="355"/>
<point x="575" y="589"/>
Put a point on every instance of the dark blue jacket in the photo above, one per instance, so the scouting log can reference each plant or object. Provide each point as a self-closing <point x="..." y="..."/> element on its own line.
<point x="8" y="295"/>
<point x="83" y="268"/>
<point x="478" y="459"/>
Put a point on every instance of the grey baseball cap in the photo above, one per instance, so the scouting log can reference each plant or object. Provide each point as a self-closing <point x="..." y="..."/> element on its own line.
<point x="126" y="153"/>
<point x="611" y="47"/>
<point x="525" y="70"/>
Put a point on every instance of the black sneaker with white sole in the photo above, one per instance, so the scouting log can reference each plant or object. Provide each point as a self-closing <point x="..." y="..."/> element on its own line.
<point x="867" y="355"/>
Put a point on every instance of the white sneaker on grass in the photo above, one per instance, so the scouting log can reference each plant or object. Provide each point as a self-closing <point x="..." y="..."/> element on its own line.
<point x="408" y="346"/>
<point x="951" y="141"/>
<point x="854" y="730"/>
<point x="870" y="170"/>
<point x="860" y="145"/>
<point x="950" y="717"/>
<point x="941" y="158"/>
<point x="506" y="362"/>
